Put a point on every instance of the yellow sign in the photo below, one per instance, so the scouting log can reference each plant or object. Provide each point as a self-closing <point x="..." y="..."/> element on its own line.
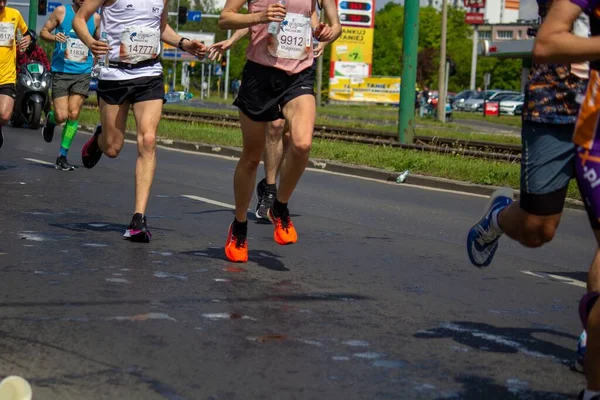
<point x="365" y="90"/>
<point x="354" y="45"/>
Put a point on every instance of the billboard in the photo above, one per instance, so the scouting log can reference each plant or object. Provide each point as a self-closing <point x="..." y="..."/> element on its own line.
<point x="355" y="45"/>
<point x="365" y="90"/>
<point x="169" y="51"/>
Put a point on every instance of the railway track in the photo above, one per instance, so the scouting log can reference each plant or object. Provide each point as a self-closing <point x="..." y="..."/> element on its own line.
<point x="479" y="149"/>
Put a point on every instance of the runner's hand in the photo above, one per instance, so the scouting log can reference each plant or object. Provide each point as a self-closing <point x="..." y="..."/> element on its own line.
<point x="324" y="33"/>
<point x="99" y="48"/>
<point x="60" y="37"/>
<point x="318" y="51"/>
<point x="218" y="49"/>
<point x="274" y="13"/>
<point x="24" y="43"/>
<point x="195" y="48"/>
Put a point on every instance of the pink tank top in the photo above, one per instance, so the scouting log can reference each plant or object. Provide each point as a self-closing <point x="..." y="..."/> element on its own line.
<point x="291" y="48"/>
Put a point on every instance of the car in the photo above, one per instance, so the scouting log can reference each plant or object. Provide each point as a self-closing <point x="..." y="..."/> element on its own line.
<point x="458" y="103"/>
<point x="476" y="104"/>
<point x="512" y="105"/>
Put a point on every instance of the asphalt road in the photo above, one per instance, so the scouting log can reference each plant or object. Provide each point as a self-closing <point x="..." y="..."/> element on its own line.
<point x="377" y="300"/>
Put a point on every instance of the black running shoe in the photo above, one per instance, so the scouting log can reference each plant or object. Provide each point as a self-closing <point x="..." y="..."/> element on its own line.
<point x="1" y="137"/>
<point x="48" y="130"/>
<point x="91" y="153"/>
<point x="264" y="199"/>
<point x="138" y="231"/>
<point x="63" y="164"/>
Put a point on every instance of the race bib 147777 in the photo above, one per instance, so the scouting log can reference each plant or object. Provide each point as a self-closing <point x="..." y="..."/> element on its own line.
<point x="139" y="44"/>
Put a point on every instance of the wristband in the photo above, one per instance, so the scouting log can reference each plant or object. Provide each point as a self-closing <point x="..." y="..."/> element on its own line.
<point x="180" y="44"/>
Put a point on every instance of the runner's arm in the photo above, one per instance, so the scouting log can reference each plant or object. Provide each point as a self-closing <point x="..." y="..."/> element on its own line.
<point x="555" y="42"/>
<point x="231" y="19"/>
<point x="51" y="24"/>
<point x="330" y="8"/>
<point x="85" y="12"/>
<point x="238" y="34"/>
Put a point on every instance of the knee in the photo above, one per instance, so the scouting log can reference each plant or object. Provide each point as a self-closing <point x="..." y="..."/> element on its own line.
<point x="536" y="233"/>
<point x="60" y="116"/>
<point x="302" y="147"/>
<point x="147" y="142"/>
<point x="275" y="131"/>
<point x="113" y="147"/>
<point x="4" y="118"/>
<point x="73" y="115"/>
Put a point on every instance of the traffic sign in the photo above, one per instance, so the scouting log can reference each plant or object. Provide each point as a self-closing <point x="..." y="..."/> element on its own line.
<point x="52" y="6"/>
<point x="474" y="3"/>
<point x="474" y="18"/>
<point x="194" y="16"/>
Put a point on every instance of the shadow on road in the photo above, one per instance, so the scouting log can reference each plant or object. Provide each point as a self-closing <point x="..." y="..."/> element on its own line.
<point x="100" y="227"/>
<point x="477" y="387"/>
<point x="489" y="338"/>
<point x="7" y="167"/>
<point x="262" y="258"/>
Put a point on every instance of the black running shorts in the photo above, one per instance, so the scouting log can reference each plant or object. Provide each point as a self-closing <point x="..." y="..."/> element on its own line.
<point x="9" y="90"/>
<point x="266" y="90"/>
<point x="132" y="91"/>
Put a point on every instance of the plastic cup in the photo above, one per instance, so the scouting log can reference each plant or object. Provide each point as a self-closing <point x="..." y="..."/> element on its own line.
<point x="15" y="388"/>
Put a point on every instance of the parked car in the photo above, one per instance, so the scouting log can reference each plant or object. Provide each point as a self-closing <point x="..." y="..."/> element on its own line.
<point x="458" y="103"/>
<point x="512" y="105"/>
<point x="476" y="104"/>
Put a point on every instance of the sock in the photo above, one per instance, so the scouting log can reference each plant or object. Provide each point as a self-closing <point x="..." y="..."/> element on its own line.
<point x="51" y="117"/>
<point x="279" y="208"/>
<point x="495" y="223"/>
<point x="240" y="227"/>
<point x="588" y="394"/>
<point x="68" y="135"/>
<point x="272" y="188"/>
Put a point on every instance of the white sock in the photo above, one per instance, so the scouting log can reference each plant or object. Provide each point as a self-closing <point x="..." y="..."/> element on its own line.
<point x="589" y="394"/>
<point x="495" y="223"/>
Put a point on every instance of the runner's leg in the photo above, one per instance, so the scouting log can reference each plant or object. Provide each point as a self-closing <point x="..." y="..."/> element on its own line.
<point x="7" y="104"/>
<point x="147" y="116"/>
<point x="114" y="123"/>
<point x="300" y="115"/>
<point x="266" y="189"/>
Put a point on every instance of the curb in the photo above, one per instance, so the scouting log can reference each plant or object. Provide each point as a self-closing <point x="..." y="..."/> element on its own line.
<point x="347" y="169"/>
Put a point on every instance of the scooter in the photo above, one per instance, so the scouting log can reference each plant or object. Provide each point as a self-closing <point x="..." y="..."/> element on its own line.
<point x="33" y="84"/>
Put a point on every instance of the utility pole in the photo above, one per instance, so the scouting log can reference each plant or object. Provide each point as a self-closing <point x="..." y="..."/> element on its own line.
<point x="33" y="8"/>
<point x="474" y="56"/>
<point x="406" y="123"/>
<point x="320" y="68"/>
<point x="175" y="60"/>
<point x="441" y="106"/>
<point x="226" y="89"/>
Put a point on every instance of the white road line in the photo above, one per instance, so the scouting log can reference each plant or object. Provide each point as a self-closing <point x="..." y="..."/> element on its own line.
<point x="562" y="279"/>
<point x="569" y="281"/>
<point x="38" y="161"/>
<point x="209" y="201"/>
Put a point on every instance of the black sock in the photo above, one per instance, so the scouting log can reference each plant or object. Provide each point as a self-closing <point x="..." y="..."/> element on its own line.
<point x="272" y="188"/>
<point x="279" y="207"/>
<point x="240" y="228"/>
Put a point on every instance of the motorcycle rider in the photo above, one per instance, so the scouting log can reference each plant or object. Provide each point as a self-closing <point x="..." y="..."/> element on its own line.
<point x="72" y="64"/>
<point x="11" y="21"/>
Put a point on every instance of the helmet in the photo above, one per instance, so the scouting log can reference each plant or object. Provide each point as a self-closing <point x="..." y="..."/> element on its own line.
<point x="33" y="36"/>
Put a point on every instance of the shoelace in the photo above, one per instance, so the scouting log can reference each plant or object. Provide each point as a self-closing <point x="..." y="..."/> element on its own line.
<point x="285" y="222"/>
<point x="486" y="236"/>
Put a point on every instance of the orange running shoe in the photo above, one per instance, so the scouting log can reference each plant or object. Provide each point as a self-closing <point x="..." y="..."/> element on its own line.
<point x="284" y="233"/>
<point x="236" y="248"/>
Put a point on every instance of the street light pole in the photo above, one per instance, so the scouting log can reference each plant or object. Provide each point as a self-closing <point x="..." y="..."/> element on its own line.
<point x="33" y="8"/>
<point x="320" y="68"/>
<point x="175" y="60"/>
<point x="226" y="89"/>
<point x="441" y="105"/>
<point x="406" y="118"/>
<point x="474" y="57"/>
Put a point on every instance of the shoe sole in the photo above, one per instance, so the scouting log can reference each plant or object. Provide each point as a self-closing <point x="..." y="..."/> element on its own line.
<point x="64" y="169"/>
<point x="502" y="192"/>
<point x="140" y="237"/>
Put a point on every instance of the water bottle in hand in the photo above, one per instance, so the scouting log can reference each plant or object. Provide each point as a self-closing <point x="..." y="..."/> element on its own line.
<point x="176" y="97"/>
<point x="273" y="28"/>
<point x="102" y="61"/>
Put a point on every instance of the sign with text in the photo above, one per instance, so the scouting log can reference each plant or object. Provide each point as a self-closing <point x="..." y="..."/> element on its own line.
<point x="351" y="69"/>
<point x="474" y="3"/>
<point x="474" y="18"/>
<point x="354" y="45"/>
<point x="384" y="90"/>
<point x="357" y="13"/>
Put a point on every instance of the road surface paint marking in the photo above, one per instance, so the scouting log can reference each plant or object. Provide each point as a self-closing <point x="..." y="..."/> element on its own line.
<point x="209" y="201"/>
<point x="144" y="317"/>
<point x="117" y="280"/>
<point x="38" y="161"/>
<point x="218" y="316"/>
<point x="162" y="253"/>
<point x="563" y="279"/>
<point x="356" y="343"/>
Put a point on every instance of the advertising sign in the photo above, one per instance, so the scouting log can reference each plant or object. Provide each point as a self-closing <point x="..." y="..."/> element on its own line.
<point x="368" y="90"/>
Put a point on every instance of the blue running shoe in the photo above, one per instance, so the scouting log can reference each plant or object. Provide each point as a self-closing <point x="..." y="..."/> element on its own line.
<point x="581" y="347"/>
<point x="482" y="241"/>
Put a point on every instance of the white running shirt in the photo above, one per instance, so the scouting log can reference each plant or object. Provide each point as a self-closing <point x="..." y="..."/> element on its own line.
<point x="133" y="30"/>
